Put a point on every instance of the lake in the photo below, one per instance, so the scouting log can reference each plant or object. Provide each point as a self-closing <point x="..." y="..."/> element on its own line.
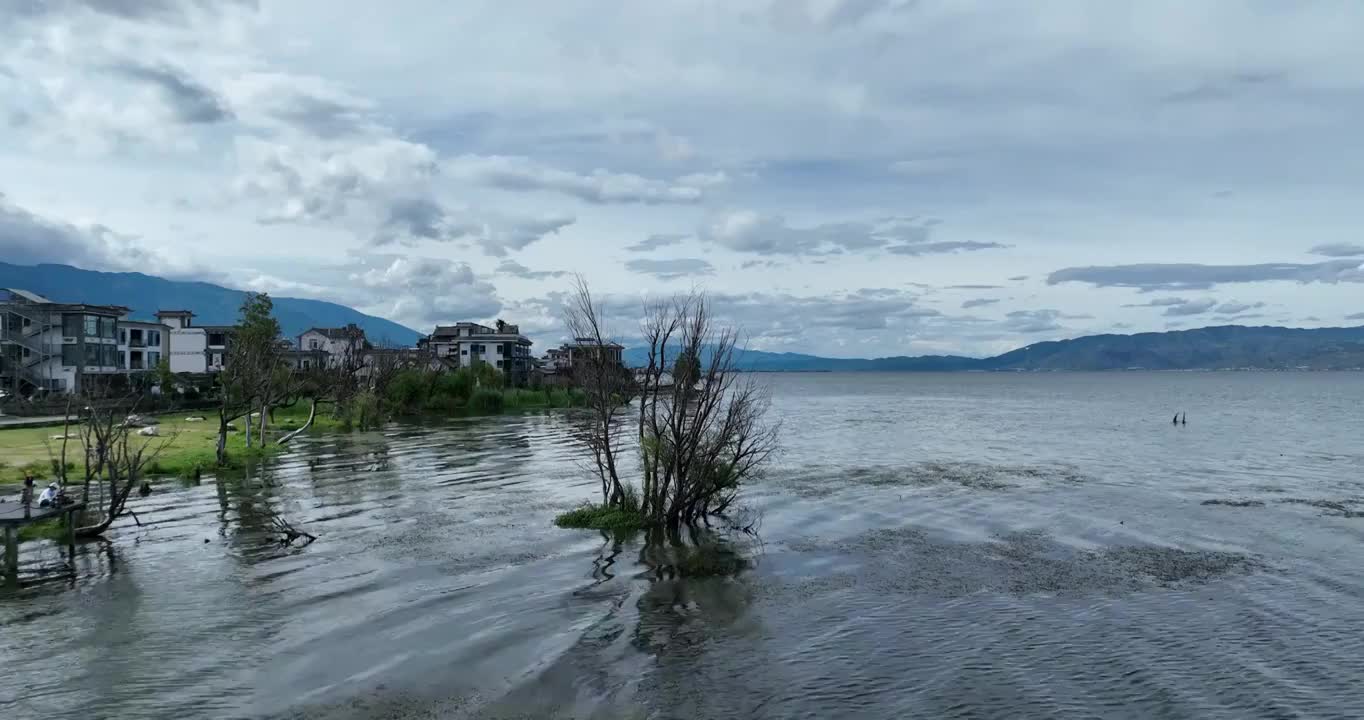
<point x="941" y="546"/>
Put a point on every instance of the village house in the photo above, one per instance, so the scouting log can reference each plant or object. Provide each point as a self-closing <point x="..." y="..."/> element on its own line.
<point x="467" y="345"/>
<point x="142" y="344"/>
<point x="330" y="347"/>
<point x="563" y="358"/>
<point x="47" y="346"/>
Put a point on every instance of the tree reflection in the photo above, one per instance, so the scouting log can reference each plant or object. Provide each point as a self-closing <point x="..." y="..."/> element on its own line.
<point x="697" y="584"/>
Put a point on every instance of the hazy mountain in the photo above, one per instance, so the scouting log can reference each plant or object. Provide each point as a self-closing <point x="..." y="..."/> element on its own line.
<point x="1227" y="346"/>
<point x="760" y="361"/>
<point x="1230" y="346"/>
<point x="1211" y="348"/>
<point x="211" y="304"/>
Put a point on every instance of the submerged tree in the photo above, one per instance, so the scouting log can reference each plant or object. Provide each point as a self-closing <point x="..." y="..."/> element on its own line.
<point x="700" y="436"/>
<point x="116" y="455"/>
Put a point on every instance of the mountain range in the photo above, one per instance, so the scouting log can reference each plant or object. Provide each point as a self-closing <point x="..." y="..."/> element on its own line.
<point x="211" y="304"/>
<point x="1210" y="348"/>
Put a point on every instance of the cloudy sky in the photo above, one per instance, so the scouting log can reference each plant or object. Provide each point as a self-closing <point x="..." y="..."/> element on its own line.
<point x="844" y="177"/>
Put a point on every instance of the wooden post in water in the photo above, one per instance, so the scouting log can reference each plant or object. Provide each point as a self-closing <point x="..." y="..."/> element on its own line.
<point x="71" y="534"/>
<point x="12" y="553"/>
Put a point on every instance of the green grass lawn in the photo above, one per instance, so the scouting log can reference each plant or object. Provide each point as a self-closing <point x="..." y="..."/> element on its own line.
<point x="184" y="445"/>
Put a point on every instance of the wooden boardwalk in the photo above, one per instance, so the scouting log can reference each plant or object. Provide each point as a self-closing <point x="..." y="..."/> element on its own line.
<point x="14" y="516"/>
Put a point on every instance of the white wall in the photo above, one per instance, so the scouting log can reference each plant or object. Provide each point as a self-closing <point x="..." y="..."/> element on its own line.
<point x="187" y="347"/>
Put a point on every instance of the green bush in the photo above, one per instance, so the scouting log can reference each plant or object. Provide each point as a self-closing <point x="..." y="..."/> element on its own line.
<point x="597" y="517"/>
<point x="363" y="411"/>
<point x="486" y="400"/>
<point x="452" y="391"/>
<point x="408" y="391"/>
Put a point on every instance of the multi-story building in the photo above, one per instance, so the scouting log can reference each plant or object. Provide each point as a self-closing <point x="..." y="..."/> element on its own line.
<point x="188" y="344"/>
<point x="47" y="346"/>
<point x="583" y="349"/>
<point x="333" y="347"/>
<point x="467" y="345"/>
<point x="142" y="345"/>
<point x="195" y="348"/>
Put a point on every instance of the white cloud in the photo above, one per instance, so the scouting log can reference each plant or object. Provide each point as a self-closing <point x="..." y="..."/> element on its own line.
<point x="27" y="238"/>
<point x="596" y="186"/>
<point x="1169" y="146"/>
<point x="670" y="269"/>
<point x="423" y="292"/>
<point x="752" y="232"/>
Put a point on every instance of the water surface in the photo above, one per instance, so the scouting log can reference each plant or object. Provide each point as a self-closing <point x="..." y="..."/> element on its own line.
<point x="931" y="546"/>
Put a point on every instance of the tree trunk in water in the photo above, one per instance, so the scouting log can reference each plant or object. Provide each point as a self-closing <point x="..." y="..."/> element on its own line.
<point x="222" y="441"/>
<point x="311" y="414"/>
<point x="115" y="508"/>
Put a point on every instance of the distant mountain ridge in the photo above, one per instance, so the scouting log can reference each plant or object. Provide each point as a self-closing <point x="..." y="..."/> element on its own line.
<point x="1210" y="348"/>
<point x="211" y="304"/>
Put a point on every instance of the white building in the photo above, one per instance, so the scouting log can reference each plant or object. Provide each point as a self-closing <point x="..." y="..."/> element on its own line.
<point x="47" y="346"/>
<point x="194" y="348"/>
<point x="563" y="358"/>
<point x="333" y="347"/>
<point x="187" y="345"/>
<point x="142" y="345"/>
<point x="467" y="345"/>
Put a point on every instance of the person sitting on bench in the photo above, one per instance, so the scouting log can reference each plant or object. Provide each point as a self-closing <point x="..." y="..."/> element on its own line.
<point x="50" y="496"/>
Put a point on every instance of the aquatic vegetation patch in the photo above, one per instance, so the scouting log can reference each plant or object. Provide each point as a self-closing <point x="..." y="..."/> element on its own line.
<point x="598" y="517"/>
<point x="909" y="561"/>
<point x="1347" y="507"/>
<point x="1234" y="503"/>
<point x="975" y="476"/>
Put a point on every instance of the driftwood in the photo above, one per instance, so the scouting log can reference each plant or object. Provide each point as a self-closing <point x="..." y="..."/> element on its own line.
<point x="288" y="532"/>
<point x="312" y="414"/>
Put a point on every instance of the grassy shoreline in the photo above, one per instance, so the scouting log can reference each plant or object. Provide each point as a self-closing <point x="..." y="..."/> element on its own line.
<point x="188" y="445"/>
<point x="191" y="445"/>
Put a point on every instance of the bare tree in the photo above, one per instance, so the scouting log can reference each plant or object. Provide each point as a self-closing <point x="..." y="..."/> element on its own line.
<point x="606" y="386"/>
<point x="116" y="456"/>
<point x="699" y="423"/>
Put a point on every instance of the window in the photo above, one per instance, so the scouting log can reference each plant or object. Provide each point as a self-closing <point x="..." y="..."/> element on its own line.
<point x="122" y="359"/>
<point x="109" y="355"/>
<point x="464" y="352"/>
<point x="154" y="338"/>
<point x="91" y="326"/>
<point x="499" y="364"/>
<point x="135" y="337"/>
<point x="107" y="326"/>
<point x="153" y="359"/>
<point x="91" y="355"/>
<point x="122" y="336"/>
<point x="305" y="364"/>
<point x="216" y="359"/>
<point x="135" y="360"/>
<point x="71" y="325"/>
<point x="217" y="339"/>
<point x="71" y="355"/>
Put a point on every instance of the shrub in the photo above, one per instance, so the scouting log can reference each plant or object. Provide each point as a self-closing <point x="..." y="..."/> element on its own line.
<point x="451" y="391"/>
<point x="597" y="517"/>
<point x="486" y="400"/>
<point x="408" y="391"/>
